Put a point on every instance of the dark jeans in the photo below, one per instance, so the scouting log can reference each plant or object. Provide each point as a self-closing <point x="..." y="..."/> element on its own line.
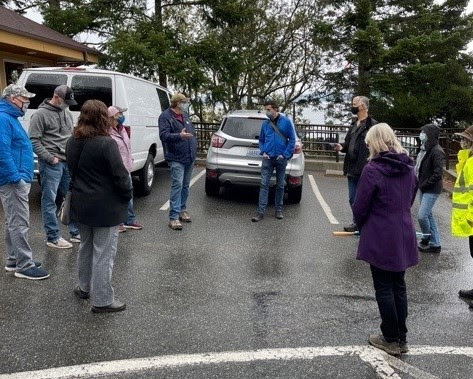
<point x="352" y="184"/>
<point x="391" y="297"/>
<point x="268" y="166"/>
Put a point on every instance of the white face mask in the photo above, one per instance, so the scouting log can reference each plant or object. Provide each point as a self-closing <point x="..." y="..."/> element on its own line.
<point x="184" y="107"/>
<point x="465" y="144"/>
<point x="24" y="105"/>
<point x="269" y="114"/>
<point x="422" y="137"/>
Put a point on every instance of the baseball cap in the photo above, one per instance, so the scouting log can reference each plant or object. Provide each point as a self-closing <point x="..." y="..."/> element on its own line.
<point x="177" y="97"/>
<point x="66" y="93"/>
<point x="467" y="133"/>
<point x="16" y="90"/>
<point x="113" y="110"/>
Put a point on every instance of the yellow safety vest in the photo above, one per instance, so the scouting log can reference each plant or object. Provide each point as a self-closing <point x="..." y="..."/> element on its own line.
<point x="462" y="198"/>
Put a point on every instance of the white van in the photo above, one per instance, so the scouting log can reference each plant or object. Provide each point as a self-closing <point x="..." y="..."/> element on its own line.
<point x="145" y="102"/>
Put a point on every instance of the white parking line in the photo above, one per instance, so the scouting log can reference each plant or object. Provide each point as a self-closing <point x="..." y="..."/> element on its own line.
<point x="323" y="204"/>
<point x="165" y="207"/>
<point x="381" y="362"/>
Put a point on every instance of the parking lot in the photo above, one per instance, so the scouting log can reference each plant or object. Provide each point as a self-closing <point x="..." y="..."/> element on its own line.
<point x="228" y="298"/>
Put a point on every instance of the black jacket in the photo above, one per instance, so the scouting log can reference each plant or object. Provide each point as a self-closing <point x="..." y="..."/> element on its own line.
<point x="356" y="158"/>
<point x="101" y="185"/>
<point x="431" y="166"/>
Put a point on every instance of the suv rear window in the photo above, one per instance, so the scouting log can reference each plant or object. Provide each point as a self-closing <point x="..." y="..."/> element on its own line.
<point x="91" y="88"/>
<point x="43" y="85"/>
<point x="239" y="127"/>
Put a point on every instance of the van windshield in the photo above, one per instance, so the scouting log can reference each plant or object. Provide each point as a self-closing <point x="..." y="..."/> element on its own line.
<point x="43" y="85"/>
<point x="240" y="127"/>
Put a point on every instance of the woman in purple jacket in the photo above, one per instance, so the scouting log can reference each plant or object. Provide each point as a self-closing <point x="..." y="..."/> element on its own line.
<point x="382" y="209"/>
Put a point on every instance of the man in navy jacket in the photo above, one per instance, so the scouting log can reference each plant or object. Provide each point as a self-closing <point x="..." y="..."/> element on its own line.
<point x="16" y="174"/>
<point x="276" y="143"/>
<point x="180" y="150"/>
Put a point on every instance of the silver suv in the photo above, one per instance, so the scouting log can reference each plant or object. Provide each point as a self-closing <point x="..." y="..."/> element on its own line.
<point x="234" y="157"/>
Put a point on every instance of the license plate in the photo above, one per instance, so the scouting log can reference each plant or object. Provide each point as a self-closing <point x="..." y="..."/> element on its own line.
<point x="253" y="153"/>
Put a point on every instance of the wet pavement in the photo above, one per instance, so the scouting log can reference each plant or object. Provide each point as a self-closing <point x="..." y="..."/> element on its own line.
<point x="226" y="285"/>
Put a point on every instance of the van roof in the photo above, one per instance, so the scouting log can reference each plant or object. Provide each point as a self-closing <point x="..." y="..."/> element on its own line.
<point x="89" y="69"/>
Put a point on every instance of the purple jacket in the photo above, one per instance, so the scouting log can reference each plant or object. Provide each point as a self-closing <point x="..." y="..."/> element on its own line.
<point x="382" y="209"/>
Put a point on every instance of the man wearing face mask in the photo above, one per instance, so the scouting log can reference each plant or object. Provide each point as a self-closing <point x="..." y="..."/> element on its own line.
<point x="429" y="169"/>
<point x="16" y="174"/>
<point x="276" y="143"/>
<point x="119" y="133"/>
<point x="355" y="149"/>
<point x="50" y="128"/>
<point x="180" y="150"/>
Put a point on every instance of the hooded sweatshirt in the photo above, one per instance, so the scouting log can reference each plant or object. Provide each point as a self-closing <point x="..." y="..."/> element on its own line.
<point x="430" y="164"/>
<point x="382" y="209"/>
<point x="50" y="128"/>
<point x="16" y="154"/>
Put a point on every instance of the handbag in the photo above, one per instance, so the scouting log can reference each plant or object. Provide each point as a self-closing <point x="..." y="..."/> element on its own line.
<point x="64" y="213"/>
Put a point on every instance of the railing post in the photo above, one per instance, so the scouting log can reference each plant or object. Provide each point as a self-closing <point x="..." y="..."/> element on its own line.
<point x="337" y="153"/>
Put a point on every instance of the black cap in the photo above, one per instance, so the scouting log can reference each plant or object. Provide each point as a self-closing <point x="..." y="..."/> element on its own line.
<point x="66" y="93"/>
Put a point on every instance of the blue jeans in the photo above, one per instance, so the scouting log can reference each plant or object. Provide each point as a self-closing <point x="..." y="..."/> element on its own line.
<point x="267" y="167"/>
<point x="131" y="218"/>
<point x="426" y="219"/>
<point x="181" y="177"/>
<point x="391" y="296"/>
<point x="55" y="180"/>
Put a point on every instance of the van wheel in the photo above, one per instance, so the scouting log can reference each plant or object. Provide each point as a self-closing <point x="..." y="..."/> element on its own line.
<point x="212" y="188"/>
<point x="146" y="177"/>
<point x="294" y="195"/>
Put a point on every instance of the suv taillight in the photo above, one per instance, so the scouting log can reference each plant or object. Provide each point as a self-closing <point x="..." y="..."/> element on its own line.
<point x="217" y="141"/>
<point x="297" y="148"/>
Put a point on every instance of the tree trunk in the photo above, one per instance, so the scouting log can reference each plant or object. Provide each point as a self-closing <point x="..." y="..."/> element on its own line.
<point x="158" y="20"/>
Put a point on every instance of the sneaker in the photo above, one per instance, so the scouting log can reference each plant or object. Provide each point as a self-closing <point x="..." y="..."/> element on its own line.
<point x="278" y="215"/>
<point x="258" y="217"/>
<point x="392" y="348"/>
<point x="60" y="243"/>
<point x="80" y="294"/>
<point x="121" y="228"/>
<point x="116" y="306"/>
<point x="351" y="228"/>
<point x="468" y="294"/>
<point x="133" y="225"/>
<point x="10" y="267"/>
<point x="403" y="347"/>
<point x="175" y="225"/>
<point x="423" y="244"/>
<point x="184" y="217"/>
<point x="75" y="238"/>
<point x="33" y="273"/>
<point x="430" y="249"/>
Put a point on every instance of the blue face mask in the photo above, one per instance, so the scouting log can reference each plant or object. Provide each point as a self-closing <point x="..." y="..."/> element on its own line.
<point x="422" y="137"/>
<point x="121" y="120"/>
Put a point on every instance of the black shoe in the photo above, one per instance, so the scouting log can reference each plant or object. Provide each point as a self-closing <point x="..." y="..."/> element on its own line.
<point x="258" y="217"/>
<point x="279" y="215"/>
<point x="430" y="249"/>
<point x="116" y="306"/>
<point x="467" y="294"/>
<point x="80" y="294"/>
<point x="351" y="228"/>
<point x="423" y="244"/>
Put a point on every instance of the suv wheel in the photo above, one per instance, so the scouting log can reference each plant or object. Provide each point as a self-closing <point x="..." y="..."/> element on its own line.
<point x="212" y="187"/>
<point x="294" y="194"/>
<point x="146" y="175"/>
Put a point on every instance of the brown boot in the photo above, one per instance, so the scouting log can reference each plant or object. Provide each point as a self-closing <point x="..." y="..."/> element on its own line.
<point x="184" y="217"/>
<point x="175" y="225"/>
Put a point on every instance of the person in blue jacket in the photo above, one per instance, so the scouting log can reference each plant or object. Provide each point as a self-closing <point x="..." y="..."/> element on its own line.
<point x="180" y="150"/>
<point x="16" y="175"/>
<point x="276" y="143"/>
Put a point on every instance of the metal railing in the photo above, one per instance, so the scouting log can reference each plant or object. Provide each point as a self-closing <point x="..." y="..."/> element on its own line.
<point x="318" y="140"/>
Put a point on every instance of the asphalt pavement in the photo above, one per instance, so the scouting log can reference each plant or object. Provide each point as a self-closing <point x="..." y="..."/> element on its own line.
<point x="228" y="298"/>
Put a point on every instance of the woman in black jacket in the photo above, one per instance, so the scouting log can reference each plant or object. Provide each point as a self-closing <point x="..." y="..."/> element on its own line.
<point x="429" y="170"/>
<point x="101" y="189"/>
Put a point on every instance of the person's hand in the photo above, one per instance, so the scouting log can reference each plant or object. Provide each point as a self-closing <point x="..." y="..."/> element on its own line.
<point x="280" y="157"/>
<point x="184" y="135"/>
<point x="265" y="156"/>
<point x="337" y="147"/>
<point x="55" y="160"/>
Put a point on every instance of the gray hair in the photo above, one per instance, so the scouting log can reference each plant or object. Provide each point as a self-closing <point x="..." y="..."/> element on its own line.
<point x="364" y="100"/>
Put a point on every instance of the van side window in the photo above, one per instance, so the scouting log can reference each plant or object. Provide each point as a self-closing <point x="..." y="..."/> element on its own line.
<point x="43" y="85"/>
<point x="88" y="87"/>
<point x="163" y="99"/>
